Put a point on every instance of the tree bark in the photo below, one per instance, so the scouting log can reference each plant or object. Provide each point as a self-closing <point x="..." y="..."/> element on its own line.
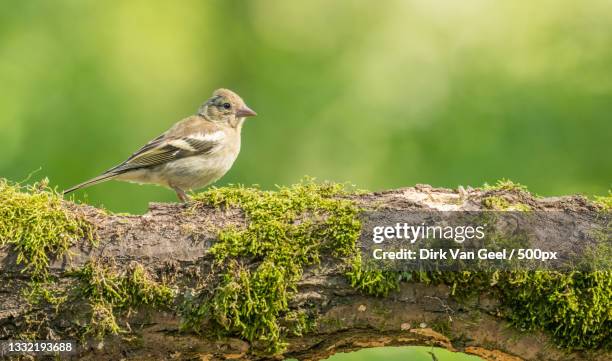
<point x="171" y="241"/>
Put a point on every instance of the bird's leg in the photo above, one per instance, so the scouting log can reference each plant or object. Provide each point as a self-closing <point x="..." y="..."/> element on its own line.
<point x="181" y="194"/>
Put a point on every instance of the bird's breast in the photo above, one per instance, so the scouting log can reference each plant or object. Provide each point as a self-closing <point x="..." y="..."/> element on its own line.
<point x="200" y="170"/>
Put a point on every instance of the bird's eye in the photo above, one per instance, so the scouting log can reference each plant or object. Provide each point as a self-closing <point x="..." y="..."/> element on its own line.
<point x="227" y="105"/>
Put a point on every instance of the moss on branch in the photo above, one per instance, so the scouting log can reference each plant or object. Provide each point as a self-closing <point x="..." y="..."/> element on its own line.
<point x="34" y="222"/>
<point x="258" y="266"/>
<point x="288" y="230"/>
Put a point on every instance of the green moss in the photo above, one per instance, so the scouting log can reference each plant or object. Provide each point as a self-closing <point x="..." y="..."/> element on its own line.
<point x="40" y="293"/>
<point x="498" y="203"/>
<point x="604" y="202"/>
<point x="92" y="300"/>
<point x="102" y="321"/>
<point x="37" y="227"/>
<point x="132" y="288"/>
<point x="259" y="266"/>
<point x="288" y="230"/>
<point x="574" y="307"/>
<point x="109" y="293"/>
<point x="520" y="207"/>
<point x="505" y="185"/>
<point x="253" y="301"/>
<point x="372" y="280"/>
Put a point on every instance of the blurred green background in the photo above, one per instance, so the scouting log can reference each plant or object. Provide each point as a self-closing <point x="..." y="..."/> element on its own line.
<point x="403" y="354"/>
<point x="383" y="95"/>
<point x="379" y="94"/>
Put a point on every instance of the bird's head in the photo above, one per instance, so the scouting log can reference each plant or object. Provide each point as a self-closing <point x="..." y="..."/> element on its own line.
<point x="226" y="107"/>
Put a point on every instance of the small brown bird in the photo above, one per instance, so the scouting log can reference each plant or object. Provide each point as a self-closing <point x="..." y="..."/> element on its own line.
<point x="193" y="153"/>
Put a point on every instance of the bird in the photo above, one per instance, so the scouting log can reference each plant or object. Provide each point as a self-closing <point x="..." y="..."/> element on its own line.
<point x="194" y="153"/>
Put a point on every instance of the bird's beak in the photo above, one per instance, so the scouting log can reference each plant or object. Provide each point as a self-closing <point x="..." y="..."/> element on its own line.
<point x="245" y="111"/>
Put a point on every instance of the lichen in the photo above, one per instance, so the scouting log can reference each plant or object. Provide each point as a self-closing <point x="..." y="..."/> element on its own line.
<point x="36" y="225"/>
<point x="288" y="230"/>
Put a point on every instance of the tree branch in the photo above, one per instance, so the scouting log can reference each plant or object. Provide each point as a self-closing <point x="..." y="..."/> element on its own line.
<point x="171" y="243"/>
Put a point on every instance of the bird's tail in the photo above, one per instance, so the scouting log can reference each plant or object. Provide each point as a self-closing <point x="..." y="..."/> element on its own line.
<point x="99" y="179"/>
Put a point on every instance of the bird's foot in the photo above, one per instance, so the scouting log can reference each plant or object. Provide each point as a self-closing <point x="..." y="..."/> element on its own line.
<point x="182" y="196"/>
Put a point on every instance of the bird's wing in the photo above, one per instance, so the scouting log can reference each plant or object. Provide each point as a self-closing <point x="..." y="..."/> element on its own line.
<point x="167" y="148"/>
<point x="189" y="137"/>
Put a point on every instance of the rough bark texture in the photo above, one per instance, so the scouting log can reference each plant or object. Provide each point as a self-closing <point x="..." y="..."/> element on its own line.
<point x="170" y="242"/>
